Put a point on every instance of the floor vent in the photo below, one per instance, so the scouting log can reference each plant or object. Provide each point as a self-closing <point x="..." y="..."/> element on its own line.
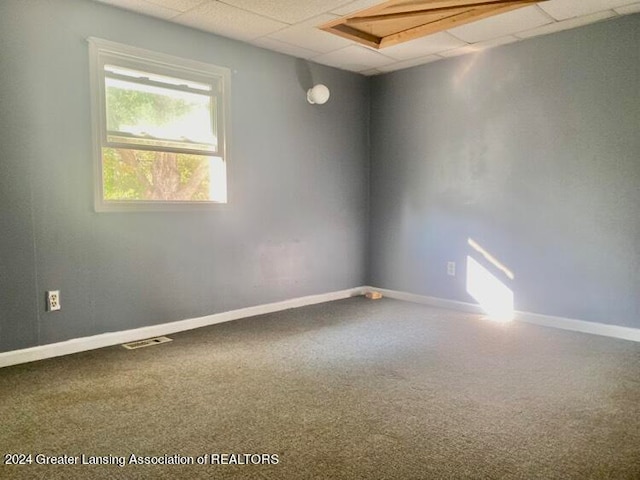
<point x="146" y="343"/>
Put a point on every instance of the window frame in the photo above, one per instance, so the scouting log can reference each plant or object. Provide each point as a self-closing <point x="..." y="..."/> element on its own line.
<point x="104" y="52"/>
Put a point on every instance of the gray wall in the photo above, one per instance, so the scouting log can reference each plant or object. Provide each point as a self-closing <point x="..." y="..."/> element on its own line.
<point x="297" y="218"/>
<point x="532" y="150"/>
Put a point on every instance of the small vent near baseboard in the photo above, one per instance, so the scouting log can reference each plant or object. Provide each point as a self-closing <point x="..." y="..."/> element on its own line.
<point x="146" y="343"/>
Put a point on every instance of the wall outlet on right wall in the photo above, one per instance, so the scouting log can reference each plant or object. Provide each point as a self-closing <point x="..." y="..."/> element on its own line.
<point x="451" y="269"/>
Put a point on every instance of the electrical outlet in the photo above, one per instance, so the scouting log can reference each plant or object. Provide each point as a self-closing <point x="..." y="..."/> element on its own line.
<point x="451" y="269"/>
<point x="53" y="300"/>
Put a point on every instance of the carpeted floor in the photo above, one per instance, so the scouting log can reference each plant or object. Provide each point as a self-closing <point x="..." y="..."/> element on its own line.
<point x="353" y="389"/>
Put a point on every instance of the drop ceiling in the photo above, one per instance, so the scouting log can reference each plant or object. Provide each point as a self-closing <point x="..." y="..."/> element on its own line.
<point x="292" y="27"/>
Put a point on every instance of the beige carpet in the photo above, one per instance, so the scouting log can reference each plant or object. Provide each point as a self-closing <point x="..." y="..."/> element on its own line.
<point x="353" y="389"/>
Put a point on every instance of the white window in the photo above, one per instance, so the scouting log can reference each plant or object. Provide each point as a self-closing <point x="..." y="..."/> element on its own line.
<point x="160" y="129"/>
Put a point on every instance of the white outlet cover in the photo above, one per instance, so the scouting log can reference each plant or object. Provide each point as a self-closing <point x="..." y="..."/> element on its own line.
<point x="53" y="300"/>
<point x="451" y="268"/>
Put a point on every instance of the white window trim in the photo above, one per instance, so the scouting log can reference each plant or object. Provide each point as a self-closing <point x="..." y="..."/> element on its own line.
<point x="105" y="51"/>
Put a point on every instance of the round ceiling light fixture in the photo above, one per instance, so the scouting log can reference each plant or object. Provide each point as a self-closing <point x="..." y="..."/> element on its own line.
<point x="319" y="94"/>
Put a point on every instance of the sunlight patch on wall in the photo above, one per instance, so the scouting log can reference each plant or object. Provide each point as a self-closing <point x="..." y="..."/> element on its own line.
<point x="490" y="258"/>
<point x="494" y="297"/>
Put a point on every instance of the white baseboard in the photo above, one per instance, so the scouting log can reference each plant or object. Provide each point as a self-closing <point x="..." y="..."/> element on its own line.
<point x="432" y="301"/>
<point x="615" y="331"/>
<point x="115" y="338"/>
<point x="604" y="329"/>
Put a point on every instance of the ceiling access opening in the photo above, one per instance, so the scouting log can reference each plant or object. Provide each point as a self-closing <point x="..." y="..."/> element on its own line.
<point x="398" y="21"/>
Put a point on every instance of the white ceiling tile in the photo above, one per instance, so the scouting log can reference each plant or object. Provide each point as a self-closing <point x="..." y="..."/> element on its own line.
<point x="355" y="58"/>
<point x="480" y="46"/>
<point x="179" y="5"/>
<point x="563" y="9"/>
<point x="288" y="11"/>
<point x="371" y="72"/>
<point x="421" y="47"/>
<point x="410" y="63"/>
<point x="566" y="24"/>
<point x="496" y="42"/>
<point x="317" y="21"/>
<point x="282" y="47"/>
<point x="143" y="7"/>
<point x="628" y="9"/>
<point x="356" y="6"/>
<point x="454" y="53"/>
<point x="501" y="25"/>
<point x="307" y="35"/>
<point x="229" y="21"/>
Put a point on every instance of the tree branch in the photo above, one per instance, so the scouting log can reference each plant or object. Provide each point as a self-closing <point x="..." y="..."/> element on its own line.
<point x="130" y="159"/>
<point x="189" y="188"/>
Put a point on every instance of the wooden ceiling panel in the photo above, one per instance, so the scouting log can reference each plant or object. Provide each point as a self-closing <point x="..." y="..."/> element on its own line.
<point x="385" y="27"/>
<point x="398" y="21"/>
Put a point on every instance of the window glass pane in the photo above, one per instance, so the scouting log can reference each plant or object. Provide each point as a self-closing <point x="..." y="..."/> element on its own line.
<point x="162" y="176"/>
<point x="156" y="78"/>
<point x="140" y="114"/>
